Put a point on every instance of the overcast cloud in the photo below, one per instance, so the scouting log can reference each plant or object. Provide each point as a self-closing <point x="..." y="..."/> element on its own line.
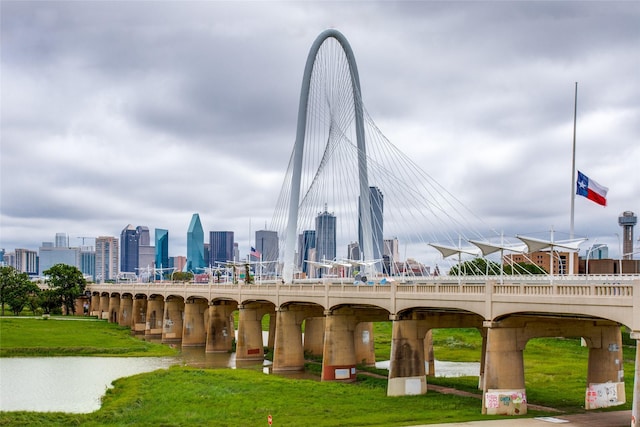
<point x="143" y="113"/>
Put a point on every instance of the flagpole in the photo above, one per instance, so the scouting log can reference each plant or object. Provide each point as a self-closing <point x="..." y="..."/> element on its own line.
<point x="573" y="163"/>
<point x="573" y="179"/>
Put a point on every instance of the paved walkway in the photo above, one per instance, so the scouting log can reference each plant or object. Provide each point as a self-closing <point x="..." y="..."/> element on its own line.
<point x="591" y="419"/>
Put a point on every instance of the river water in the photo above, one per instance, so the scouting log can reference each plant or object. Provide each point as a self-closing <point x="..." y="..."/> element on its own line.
<point x="77" y="384"/>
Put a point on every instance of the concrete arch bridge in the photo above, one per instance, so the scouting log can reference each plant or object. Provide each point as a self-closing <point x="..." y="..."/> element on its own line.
<point x="337" y="320"/>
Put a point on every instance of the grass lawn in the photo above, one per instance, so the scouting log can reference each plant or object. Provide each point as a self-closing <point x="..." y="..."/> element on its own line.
<point x="72" y="336"/>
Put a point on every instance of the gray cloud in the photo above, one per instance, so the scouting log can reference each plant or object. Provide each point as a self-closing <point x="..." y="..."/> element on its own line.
<point x="144" y="113"/>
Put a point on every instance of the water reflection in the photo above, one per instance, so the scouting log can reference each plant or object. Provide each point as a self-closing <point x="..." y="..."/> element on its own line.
<point x="77" y="384"/>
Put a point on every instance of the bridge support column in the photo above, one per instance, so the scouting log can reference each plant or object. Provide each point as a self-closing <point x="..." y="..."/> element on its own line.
<point x="605" y="374"/>
<point x="155" y="311"/>
<point x="429" y="357"/>
<point x="193" y="332"/>
<point x="114" y="308"/>
<point x="104" y="307"/>
<point x="288" y="353"/>
<point x="249" y="345"/>
<point x="364" y="344"/>
<point x="124" y="313"/>
<point x="220" y="329"/>
<point x="504" y="389"/>
<point x="406" y="367"/>
<point x="94" y="310"/>
<point x="173" y="320"/>
<point x="635" y="406"/>
<point x="483" y="357"/>
<point x="338" y="356"/>
<point x="314" y="335"/>
<point x="139" y="314"/>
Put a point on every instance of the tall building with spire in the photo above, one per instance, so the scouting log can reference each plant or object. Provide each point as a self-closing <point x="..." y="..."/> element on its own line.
<point x="195" y="245"/>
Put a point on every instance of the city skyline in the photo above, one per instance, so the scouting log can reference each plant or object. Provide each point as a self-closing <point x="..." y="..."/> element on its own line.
<point x="480" y="95"/>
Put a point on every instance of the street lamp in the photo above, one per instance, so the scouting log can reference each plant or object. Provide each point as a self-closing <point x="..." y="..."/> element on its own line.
<point x="593" y="248"/>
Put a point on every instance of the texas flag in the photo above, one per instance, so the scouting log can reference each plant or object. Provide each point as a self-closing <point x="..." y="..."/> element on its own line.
<point x="591" y="190"/>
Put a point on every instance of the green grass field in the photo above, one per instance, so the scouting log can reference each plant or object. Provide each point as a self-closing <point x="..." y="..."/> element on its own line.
<point x="75" y="336"/>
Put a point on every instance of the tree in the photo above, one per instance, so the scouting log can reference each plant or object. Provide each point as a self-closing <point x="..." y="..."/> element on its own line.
<point x="523" y="268"/>
<point x="15" y="289"/>
<point x="477" y="266"/>
<point x="182" y="276"/>
<point x="67" y="282"/>
<point x="481" y="266"/>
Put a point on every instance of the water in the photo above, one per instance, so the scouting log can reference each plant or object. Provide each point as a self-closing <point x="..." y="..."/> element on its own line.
<point x="66" y="384"/>
<point x="447" y="369"/>
<point x="77" y="384"/>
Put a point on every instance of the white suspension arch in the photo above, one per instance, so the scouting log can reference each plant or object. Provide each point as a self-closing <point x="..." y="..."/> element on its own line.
<point x="366" y="245"/>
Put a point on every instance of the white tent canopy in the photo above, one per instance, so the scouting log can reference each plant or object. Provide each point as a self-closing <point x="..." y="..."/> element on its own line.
<point x="488" y="248"/>
<point x="535" y="245"/>
<point x="447" y="251"/>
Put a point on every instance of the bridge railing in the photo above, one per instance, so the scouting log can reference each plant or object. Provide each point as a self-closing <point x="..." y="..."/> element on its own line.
<point x="543" y="285"/>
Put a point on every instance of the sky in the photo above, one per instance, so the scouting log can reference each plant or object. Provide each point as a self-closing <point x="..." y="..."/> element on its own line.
<point x="145" y="112"/>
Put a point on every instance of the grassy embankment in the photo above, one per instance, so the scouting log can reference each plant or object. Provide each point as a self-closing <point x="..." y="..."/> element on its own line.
<point x="555" y="371"/>
<point x="75" y="336"/>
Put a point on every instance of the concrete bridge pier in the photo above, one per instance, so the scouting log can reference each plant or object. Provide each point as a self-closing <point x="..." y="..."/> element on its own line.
<point x="194" y="332"/>
<point x="339" y="357"/>
<point x="605" y="374"/>
<point x="220" y="329"/>
<point x="125" y="311"/>
<point x="94" y="308"/>
<point x="103" y="311"/>
<point x="429" y="357"/>
<point x="173" y="319"/>
<point x="407" y="374"/>
<point x="314" y="335"/>
<point x="155" y="311"/>
<point x="288" y="353"/>
<point x="249" y="345"/>
<point x="364" y="344"/>
<point x="114" y="308"/>
<point x="635" y="405"/>
<point x="503" y="382"/>
<point x="139" y="314"/>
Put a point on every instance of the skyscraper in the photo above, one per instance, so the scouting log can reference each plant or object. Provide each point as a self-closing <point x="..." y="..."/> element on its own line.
<point x="325" y="236"/>
<point x="221" y="247"/>
<point x="88" y="261"/>
<point x="268" y="246"/>
<point x="162" y="248"/>
<point x="306" y="243"/>
<point x="129" y="239"/>
<point x="376" y="200"/>
<point x="26" y="261"/>
<point x="107" y="251"/>
<point x="146" y="252"/>
<point x="62" y="240"/>
<point x="195" y="245"/>
<point x="50" y="256"/>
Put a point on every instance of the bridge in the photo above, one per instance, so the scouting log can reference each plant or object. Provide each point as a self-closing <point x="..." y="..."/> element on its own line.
<point x="374" y="190"/>
<point x="336" y="317"/>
